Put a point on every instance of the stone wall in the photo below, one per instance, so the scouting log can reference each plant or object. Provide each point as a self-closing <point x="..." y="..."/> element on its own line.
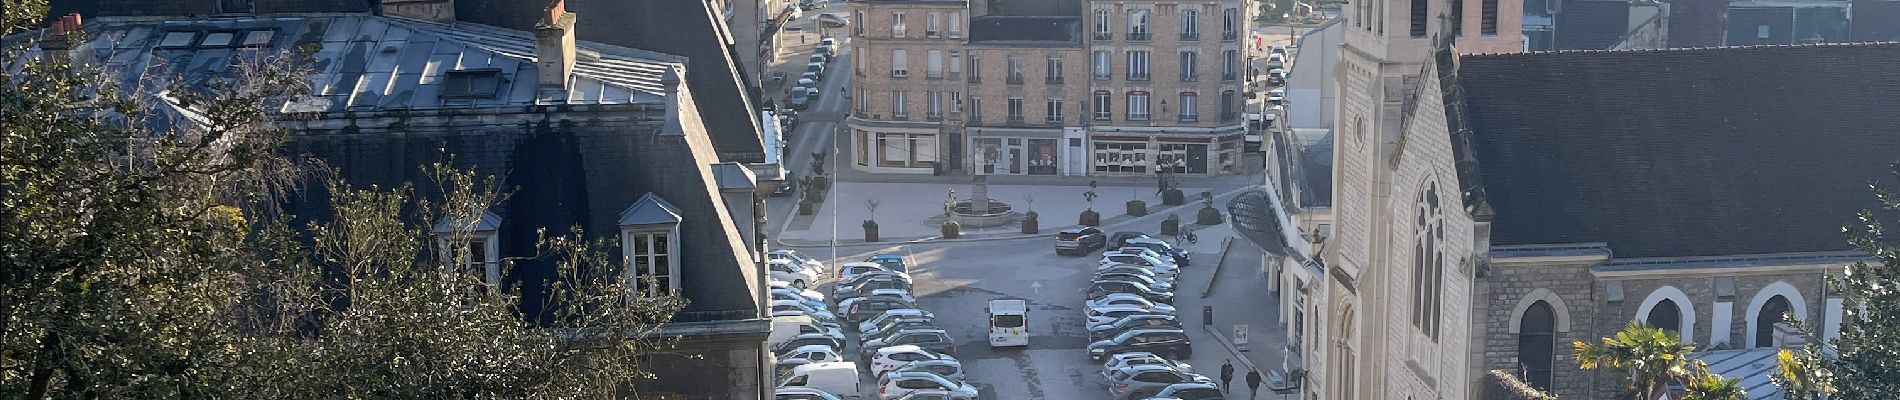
<point x="1503" y="294"/>
<point x="1501" y="385"/>
<point x="1436" y="365"/>
<point x="708" y="368"/>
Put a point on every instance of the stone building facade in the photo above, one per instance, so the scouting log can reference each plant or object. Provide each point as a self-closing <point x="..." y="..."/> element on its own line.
<point x="1044" y="94"/>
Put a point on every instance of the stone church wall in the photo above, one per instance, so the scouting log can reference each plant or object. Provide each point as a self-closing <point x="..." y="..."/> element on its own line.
<point x="1504" y="289"/>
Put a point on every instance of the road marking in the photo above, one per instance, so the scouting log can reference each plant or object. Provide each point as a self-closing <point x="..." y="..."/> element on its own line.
<point x="1037" y="286"/>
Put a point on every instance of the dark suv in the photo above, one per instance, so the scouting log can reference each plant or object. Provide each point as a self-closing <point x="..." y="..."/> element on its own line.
<point x="1133" y="322"/>
<point x="1079" y="241"/>
<point x="1168" y="343"/>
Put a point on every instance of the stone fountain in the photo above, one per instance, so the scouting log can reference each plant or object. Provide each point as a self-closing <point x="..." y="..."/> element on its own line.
<point x="980" y="211"/>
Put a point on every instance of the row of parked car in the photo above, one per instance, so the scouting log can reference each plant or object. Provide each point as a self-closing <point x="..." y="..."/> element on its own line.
<point x="1133" y="327"/>
<point x="806" y="92"/>
<point x="902" y="348"/>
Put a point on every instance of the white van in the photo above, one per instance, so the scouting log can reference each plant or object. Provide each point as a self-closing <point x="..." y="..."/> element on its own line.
<point x="831" y="377"/>
<point x="1009" y="323"/>
<point x="784" y="328"/>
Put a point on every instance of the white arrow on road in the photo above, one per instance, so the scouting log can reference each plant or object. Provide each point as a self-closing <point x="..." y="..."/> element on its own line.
<point x="1037" y="286"/>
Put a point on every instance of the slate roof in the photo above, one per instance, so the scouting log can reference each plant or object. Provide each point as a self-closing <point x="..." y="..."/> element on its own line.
<point x="1874" y="20"/>
<point x="1592" y="24"/>
<point x="1683" y="152"/>
<point x="373" y="63"/>
<point x="1316" y="166"/>
<point x="1026" y="30"/>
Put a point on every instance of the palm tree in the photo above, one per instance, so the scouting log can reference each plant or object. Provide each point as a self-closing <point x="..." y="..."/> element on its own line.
<point x="1650" y="355"/>
<point x="1705" y="385"/>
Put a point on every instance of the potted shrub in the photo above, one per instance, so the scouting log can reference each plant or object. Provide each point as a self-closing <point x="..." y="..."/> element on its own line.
<point x="1173" y="197"/>
<point x="805" y="206"/>
<point x="1089" y="217"/>
<point x="1137" y="208"/>
<point x="870" y="225"/>
<point x="1208" y="215"/>
<point x="1030" y="224"/>
<point x="951" y="229"/>
<point x="1171" y="226"/>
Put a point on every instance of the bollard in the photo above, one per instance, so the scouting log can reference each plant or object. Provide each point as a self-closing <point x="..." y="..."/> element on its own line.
<point x="1207" y="315"/>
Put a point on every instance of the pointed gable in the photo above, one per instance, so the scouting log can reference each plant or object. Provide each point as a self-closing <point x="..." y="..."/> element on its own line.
<point x="650" y="210"/>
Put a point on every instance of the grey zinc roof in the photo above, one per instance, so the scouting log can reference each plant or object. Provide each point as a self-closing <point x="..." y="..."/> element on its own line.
<point x="1013" y="29"/>
<point x="650" y="210"/>
<point x="1683" y="152"/>
<point x="370" y="63"/>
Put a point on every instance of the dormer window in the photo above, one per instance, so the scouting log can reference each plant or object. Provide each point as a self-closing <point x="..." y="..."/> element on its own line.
<point x="649" y="242"/>
<point x="471" y="246"/>
<point x="471" y="84"/>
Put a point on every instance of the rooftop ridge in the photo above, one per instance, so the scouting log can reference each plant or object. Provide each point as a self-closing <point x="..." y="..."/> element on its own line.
<point x="1684" y="49"/>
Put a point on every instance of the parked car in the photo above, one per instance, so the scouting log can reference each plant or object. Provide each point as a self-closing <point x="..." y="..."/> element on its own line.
<point x="1159" y="266"/>
<point x="1276" y="96"/>
<point x="781" y="306"/>
<point x="866" y="307"/>
<point x="1276" y="60"/>
<point x="947" y="367"/>
<point x="893" y="357"/>
<point x="933" y="339"/>
<point x="871" y="323"/>
<point x="816" y="67"/>
<point x="797" y="274"/>
<point x="1133" y="322"/>
<point x="1113" y="300"/>
<point x="833" y="377"/>
<point x="1166" y="342"/>
<point x="1120" y="239"/>
<point x="1179" y="255"/>
<point x="816" y="353"/>
<point x="808" y="339"/>
<point x="813" y="76"/>
<point x="801" y="393"/>
<point x="898" y="324"/>
<point x="894" y="262"/>
<point x="1126" y="274"/>
<point x="853" y="269"/>
<point x="1276" y="76"/>
<point x="1079" y="241"/>
<point x="798" y="99"/>
<point x="1103" y="315"/>
<point x="834" y="19"/>
<point x="797" y="258"/>
<point x="928" y="396"/>
<point x="869" y="283"/>
<point x="808" y="293"/>
<point x="789" y="294"/>
<point x="902" y="384"/>
<point x="1146" y="380"/>
<point x="829" y="44"/>
<point x="1191" y="391"/>
<point x="1104" y="288"/>
<point x="818" y="58"/>
<point x="1125" y="361"/>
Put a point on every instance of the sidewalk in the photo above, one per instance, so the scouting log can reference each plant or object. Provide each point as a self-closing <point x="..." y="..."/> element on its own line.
<point x="1240" y="296"/>
<point x="910" y="212"/>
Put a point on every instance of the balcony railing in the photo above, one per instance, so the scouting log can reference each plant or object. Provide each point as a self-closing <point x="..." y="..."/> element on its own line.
<point x="930" y="34"/>
<point x="1189" y="36"/>
<point x="1229" y="36"/>
<point x="900" y="74"/>
<point x="1015" y="119"/>
<point x="900" y="117"/>
<point x="1228" y="76"/>
<point x="933" y="75"/>
<point x="1104" y="36"/>
<point x="1138" y="36"/>
<point x="1229" y="116"/>
<point x="1137" y="117"/>
<point x="1101" y="116"/>
<point x="1191" y="78"/>
<point x="1053" y="80"/>
<point x="974" y="78"/>
<point x="1103" y="75"/>
<point x="1016" y="80"/>
<point x="933" y="117"/>
<point x="1053" y="119"/>
<point x="1138" y="77"/>
<point x="1190" y="118"/>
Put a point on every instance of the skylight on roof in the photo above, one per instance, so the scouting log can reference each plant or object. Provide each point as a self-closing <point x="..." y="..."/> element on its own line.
<point x="178" y="39"/>
<point x="471" y="84"/>
<point x="218" y="39"/>
<point x="259" y="37"/>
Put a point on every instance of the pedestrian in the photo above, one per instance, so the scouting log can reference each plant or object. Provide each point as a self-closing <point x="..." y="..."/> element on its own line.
<point x="1226" y="375"/>
<point x="1253" y="382"/>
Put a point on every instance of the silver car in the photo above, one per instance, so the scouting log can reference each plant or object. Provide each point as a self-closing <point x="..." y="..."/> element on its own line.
<point x="898" y="384"/>
<point x="1145" y="380"/>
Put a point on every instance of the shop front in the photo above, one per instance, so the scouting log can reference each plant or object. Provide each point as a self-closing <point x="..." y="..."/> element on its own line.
<point x="1137" y="155"/>
<point x="1015" y="151"/>
<point x="895" y="150"/>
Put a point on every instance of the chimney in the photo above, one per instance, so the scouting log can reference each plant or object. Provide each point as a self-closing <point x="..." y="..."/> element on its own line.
<point x="670" y="82"/>
<point x="59" y="38"/>
<point x="554" y="46"/>
<point x="427" y="10"/>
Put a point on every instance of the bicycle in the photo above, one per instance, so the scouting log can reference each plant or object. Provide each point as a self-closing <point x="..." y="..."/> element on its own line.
<point x="1186" y="236"/>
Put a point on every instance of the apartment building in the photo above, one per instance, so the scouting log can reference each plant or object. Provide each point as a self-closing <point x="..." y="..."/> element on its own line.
<point x="1104" y="88"/>
<point x="1166" y="86"/>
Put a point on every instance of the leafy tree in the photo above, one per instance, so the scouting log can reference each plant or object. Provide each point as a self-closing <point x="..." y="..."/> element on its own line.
<point x="1860" y="364"/>
<point x="143" y="255"/>
<point x="1649" y="356"/>
<point x="1704" y="385"/>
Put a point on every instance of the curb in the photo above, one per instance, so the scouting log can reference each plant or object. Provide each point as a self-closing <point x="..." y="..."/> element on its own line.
<point x="1153" y="217"/>
<point x="1229" y="346"/>
<point x="1226" y="245"/>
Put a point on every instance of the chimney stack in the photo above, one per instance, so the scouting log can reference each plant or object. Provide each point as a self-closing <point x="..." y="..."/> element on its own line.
<point x="427" y="10"/>
<point x="59" y="37"/>
<point x="554" y="46"/>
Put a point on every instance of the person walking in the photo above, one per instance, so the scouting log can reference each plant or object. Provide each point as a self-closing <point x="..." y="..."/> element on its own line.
<point x="1226" y="375"/>
<point x="1253" y="383"/>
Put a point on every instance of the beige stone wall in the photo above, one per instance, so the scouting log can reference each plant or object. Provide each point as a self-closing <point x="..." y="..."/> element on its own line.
<point x="1422" y="366"/>
<point x="1035" y="89"/>
<point x="875" y="84"/>
<point x="1165" y="44"/>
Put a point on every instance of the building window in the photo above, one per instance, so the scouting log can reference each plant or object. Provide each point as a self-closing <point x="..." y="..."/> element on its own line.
<point x="1428" y="261"/>
<point x="1772" y="313"/>
<point x="858" y="28"/>
<point x="1137" y="65"/>
<point x="1137" y="25"/>
<point x="471" y="247"/>
<point x="956" y="62"/>
<point x="931" y="25"/>
<point x="863" y="101"/>
<point x="933" y="101"/>
<point x="1053" y="70"/>
<point x="1229" y="65"/>
<point x="1117" y="157"/>
<point x="1418" y="18"/>
<point x="1230" y="24"/>
<point x="1457" y="18"/>
<point x="1229" y="109"/>
<point x="915" y="150"/>
<point x="1190" y="61"/>
<point x="1188" y="112"/>
<point x="976" y="109"/>
<point x="976" y="68"/>
<point x="857" y="67"/>
<point x="1761" y="32"/>
<point x="1102" y="109"/>
<point x="1102" y="27"/>
<point x="1015" y="71"/>
<point x="900" y="63"/>
<point x="1537" y="345"/>
<point x="1489" y="17"/>
<point x="649" y="230"/>
<point x="1665" y="314"/>
<point x="1016" y="110"/>
<point x="897" y="24"/>
<point x="1054" y="111"/>
<point x="956" y="24"/>
<point x="1137" y="106"/>
<point x="1190" y="25"/>
<point x="956" y="102"/>
<point x="933" y="67"/>
<point x="1103" y="68"/>
<point x="900" y="105"/>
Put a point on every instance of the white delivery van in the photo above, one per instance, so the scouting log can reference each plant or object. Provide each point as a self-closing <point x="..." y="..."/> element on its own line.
<point x="787" y="327"/>
<point x="1009" y="323"/>
<point x="831" y="377"/>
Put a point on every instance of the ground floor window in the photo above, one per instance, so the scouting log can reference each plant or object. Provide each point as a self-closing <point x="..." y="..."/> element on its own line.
<point x="864" y="147"/>
<point x="1121" y="157"/>
<point x="906" y="150"/>
<point x="1015" y="156"/>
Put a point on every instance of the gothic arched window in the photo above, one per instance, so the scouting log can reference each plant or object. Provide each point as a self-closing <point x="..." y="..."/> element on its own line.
<point x="1666" y="314"/>
<point x="1771" y="314"/>
<point x="1537" y="344"/>
<point x="1428" y="260"/>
